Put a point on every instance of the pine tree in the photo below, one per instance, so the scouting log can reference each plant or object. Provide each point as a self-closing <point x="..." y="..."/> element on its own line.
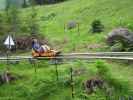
<point x="24" y="3"/>
<point x="11" y="18"/>
<point x="33" y="19"/>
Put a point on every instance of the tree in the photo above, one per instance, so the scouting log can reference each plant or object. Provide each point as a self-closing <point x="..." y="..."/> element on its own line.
<point x="12" y="19"/>
<point x="41" y="2"/>
<point x="7" y="5"/>
<point x="24" y="3"/>
<point x="1" y="22"/>
<point x="97" y="26"/>
<point x="33" y="24"/>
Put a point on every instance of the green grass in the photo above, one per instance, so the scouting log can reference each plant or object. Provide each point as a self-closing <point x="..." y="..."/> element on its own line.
<point x="110" y="12"/>
<point x="39" y="85"/>
<point x="43" y="85"/>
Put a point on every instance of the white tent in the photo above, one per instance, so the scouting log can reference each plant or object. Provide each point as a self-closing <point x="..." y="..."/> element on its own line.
<point x="9" y="42"/>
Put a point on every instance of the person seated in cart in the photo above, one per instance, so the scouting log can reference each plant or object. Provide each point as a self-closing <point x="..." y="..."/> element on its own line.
<point x="42" y="50"/>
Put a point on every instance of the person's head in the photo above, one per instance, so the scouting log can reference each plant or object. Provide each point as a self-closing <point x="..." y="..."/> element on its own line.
<point x="35" y="41"/>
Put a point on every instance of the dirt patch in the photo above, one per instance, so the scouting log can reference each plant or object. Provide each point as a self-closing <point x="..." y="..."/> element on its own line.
<point x="25" y="42"/>
<point x="94" y="46"/>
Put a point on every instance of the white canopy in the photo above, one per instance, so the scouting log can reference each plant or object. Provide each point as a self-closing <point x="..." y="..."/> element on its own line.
<point x="9" y="42"/>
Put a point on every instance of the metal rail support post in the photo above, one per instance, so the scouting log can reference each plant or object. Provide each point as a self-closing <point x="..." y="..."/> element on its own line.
<point x="33" y="63"/>
<point x="56" y="69"/>
<point x="72" y="82"/>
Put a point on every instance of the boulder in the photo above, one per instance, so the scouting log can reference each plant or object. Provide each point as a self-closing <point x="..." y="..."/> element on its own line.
<point x="71" y="24"/>
<point x="120" y="39"/>
<point x="120" y="34"/>
<point x="93" y="83"/>
<point x="6" y="77"/>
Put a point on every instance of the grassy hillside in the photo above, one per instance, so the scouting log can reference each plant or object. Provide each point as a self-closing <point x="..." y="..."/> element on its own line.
<point x="42" y="84"/>
<point x="110" y="12"/>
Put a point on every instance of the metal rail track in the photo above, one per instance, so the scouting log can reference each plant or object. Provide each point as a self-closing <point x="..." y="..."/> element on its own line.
<point x="81" y="56"/>
<point x="101" y="54"/>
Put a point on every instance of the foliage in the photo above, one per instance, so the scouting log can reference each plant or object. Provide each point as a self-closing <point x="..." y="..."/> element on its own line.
<point x="2" y="26"/>
<point x="25" y="4"/>
<point x="102" y="68"/>
<point x="13" y="19"/>
<point x="33" y="84"/>
<point x="120" y="86"/>
<point x="117" y="47"/>
<point x="48" y="1"/>
<point x="33" y="20"/>
<point x="97" y="26"/>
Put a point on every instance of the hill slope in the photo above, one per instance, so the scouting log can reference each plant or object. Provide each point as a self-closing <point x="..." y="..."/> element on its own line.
<point x="112" y="13"/>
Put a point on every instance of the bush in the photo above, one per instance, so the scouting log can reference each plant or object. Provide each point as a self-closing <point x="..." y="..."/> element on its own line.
<point x="97" y="26"/>
<point x="117" y="47"/>
<point x="130" y="26"/>
<point x="102" y="68"/>
<point x="120" y="86"/>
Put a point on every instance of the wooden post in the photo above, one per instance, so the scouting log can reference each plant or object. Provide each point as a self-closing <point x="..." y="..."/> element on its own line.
<point x="78" y="29"/>
<point x="7" y="57"/>
<point x="8" y="61"/>
<point x="120" y="21"/>
<point x="72" y="82"/>
<point x="33" y="63"/>
<point x="64" y="28"/>
<point x="35" y="66"/>
<point x="56" y="69"/>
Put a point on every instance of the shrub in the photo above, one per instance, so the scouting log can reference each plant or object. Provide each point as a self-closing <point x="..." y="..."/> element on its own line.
<point x="97" y="26"/>
<point x="117" y="47"/>
<point x="130" y="26"/>
<point x="102" y="68"/>
<point x="120" y="86"/>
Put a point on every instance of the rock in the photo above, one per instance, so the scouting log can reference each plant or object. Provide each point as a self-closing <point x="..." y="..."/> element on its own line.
<point x="71" y="24"/>
<point x="6" y="77"/>
<point x="93" y="83"/>
<point x="120" y="39"/>
<point x="120" y="34"/>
